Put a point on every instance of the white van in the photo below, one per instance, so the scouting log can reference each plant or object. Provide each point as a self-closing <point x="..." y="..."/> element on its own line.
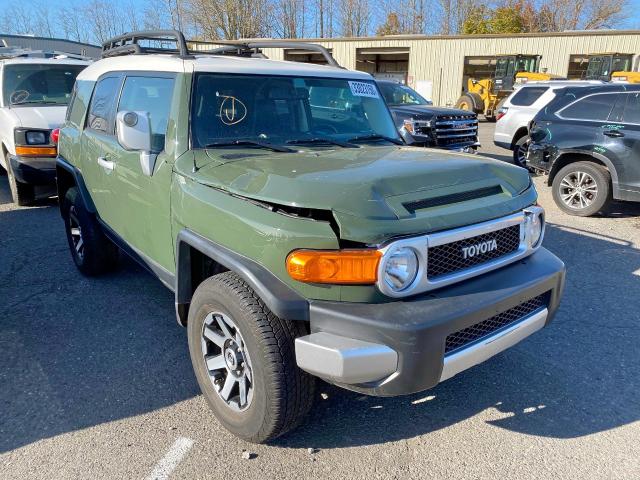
<point x="35" y="92"/>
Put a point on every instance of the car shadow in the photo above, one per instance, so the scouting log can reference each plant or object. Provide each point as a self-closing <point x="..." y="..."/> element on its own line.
<point x="78" y="352"/>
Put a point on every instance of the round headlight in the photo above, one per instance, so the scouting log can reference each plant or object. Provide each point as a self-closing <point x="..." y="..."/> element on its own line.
<point x="400" y="269"/>
<point x="536" y="228"/>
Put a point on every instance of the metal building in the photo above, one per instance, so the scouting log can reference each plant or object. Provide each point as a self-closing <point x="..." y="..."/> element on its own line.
<point x="438" y="66"/>
<point x="50" y="44"/>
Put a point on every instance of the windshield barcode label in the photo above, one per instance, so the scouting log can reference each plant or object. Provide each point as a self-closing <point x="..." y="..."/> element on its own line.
<point x="362" y="89"/>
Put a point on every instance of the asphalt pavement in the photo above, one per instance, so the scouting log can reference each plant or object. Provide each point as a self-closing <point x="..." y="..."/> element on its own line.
<point x="95" y="378"/>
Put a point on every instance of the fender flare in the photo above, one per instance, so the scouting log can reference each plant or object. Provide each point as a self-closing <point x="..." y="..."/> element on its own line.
<point x="85" y="196"/>
<point x="281" y="299"/>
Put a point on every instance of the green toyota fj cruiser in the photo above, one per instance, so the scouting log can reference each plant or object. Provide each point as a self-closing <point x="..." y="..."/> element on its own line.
<point x="302" y="239"/>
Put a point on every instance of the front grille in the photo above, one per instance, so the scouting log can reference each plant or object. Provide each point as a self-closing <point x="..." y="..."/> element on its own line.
<point x="463" y="338"/>
<point x="450" y="257"/>
<point x="452" y="130"/>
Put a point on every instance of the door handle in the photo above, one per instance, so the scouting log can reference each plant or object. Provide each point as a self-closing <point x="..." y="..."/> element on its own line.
<point x="106" y="164"/>
<point x="613" y="133"/>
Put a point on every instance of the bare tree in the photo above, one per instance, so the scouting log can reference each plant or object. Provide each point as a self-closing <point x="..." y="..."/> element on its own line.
<point x="289" y="19"/>
<point x="354" y="18"/>
<point x="229" y="19"/>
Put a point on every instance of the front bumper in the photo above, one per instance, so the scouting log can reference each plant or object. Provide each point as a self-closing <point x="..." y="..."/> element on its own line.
<point x="34" y="170"/>
<point x="398" y="348"/>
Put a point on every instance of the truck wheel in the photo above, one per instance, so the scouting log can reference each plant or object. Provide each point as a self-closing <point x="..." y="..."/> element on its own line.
<point x="582" y="189"/>
<point x="244" y="360"/>
<point x="465" y="102"/>
<point x="520" y="151"/>
<point x="92" y="252"/>
<point x="22" y="193"/>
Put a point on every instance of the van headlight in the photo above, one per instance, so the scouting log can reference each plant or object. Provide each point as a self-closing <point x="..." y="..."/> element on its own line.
<point x="35" y="138"/>
<point x="399" y="268"/>
<point x="535" y="226"/>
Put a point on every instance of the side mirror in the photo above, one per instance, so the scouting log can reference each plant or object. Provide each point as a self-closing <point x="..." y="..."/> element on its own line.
<point x="134" y="134"/>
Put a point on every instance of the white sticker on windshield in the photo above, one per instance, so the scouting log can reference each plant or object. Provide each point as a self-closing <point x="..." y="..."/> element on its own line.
<point x="362" y="89"/>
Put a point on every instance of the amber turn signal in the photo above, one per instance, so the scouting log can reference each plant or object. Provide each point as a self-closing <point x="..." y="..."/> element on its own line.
<point x="340" y="267"/>
<point x="36" y="151"/>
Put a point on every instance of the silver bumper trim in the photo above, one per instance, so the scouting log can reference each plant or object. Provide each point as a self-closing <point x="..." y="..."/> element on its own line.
<point x="492" y="345"/>
<point x="344" y="360"/>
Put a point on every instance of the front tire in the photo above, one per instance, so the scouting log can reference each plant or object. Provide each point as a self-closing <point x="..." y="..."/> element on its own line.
<point x="92" y="252"/>
<point x="23" y="194"/>
<point x="465" y="102"/>
<point x="244" y="360"/>
<point x="582" y="189"/>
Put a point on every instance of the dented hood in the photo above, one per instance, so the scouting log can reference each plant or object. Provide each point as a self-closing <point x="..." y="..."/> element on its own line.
<point x="373" y="192"/>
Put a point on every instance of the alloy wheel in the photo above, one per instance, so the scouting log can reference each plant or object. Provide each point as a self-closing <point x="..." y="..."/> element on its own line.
<point x="76" y="232"/>
<point x="578" y="190"/>
<point x="521" y="154"/>
<point x="227" y="361"/>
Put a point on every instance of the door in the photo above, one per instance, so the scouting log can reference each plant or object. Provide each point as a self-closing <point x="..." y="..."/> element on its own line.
<point x="622" y="141"/>
<point x="141" y="204"/>
<point x="97" y="145"/>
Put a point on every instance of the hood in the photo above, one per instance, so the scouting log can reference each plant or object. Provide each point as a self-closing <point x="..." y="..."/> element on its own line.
<point x="426" y="110"/>
<point x="372" y="191"/>
<point x="45" y="117"/>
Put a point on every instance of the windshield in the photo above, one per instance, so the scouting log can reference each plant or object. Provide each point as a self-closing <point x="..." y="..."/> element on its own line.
<point x="397" y="94"/>
<point x="38" y="83"/>
<point x="280" y="110"/>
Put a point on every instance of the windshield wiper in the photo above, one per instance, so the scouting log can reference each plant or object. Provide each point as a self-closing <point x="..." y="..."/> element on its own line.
<point x="375" y="136"/>
<point x="321" y="140"/>
<point x="251" y="143"/>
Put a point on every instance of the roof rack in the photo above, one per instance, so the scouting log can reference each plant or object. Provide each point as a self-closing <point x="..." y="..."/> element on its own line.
<point x="129" y="44"/>
<point x="19" y="52"/>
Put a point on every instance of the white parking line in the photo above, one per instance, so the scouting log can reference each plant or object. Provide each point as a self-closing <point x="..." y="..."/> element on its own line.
<point x="172" y="458"/>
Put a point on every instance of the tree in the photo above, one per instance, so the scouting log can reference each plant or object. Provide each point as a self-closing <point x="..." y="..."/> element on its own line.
<point x="354" y="18"/>
<point x="506" y="20"/>
<point x="390" y="27"/>
<point x="229" y="19"/>
<point x="477" y="22"/>
<point x="289" y="18"/>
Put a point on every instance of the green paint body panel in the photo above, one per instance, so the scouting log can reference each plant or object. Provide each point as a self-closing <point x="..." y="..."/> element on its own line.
<point x="363" y="189"/>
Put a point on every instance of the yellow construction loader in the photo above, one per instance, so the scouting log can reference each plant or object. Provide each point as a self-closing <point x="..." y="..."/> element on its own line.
<point x="613" y="67"/>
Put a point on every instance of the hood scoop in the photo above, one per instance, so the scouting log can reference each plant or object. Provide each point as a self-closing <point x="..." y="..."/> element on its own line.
<point x="415" y="205"/>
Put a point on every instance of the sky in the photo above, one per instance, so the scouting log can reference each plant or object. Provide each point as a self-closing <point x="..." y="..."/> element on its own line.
<point x="632" y="20"/>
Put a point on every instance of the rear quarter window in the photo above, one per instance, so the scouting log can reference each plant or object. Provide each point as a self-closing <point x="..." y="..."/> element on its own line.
<point x="80" y="99"/>
<point x="593" y="107"/>
<point x="527" y="96"/>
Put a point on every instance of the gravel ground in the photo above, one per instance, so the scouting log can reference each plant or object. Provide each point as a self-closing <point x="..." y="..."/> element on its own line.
<point x="96" y="382"/>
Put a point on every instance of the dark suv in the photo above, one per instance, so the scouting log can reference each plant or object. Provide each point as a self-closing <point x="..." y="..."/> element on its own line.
<point x="423" y="125"/>
<point x="588" y="141"/>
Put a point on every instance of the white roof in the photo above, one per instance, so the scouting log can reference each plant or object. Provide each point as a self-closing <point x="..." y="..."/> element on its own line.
<point x="561" y="83"/>
<point x="215" y="63"/>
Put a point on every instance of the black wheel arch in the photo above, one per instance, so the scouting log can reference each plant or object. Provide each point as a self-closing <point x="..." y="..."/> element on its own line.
<point x="193" y="251"/>
<point x="68" y="176"/>
<point x="571" y="156"/>
<point x="521" y="132"/>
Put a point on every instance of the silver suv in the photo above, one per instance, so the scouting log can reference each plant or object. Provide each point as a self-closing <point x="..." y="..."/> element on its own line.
<point x="518" y="110"/>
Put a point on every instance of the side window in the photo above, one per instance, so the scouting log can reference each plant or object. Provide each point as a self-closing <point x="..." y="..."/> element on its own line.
<point x="593" y="107"/>
<point x="153" y="96"/>
<point x="101" y="108"/>
<point x="632" y="108"/>
<point x="528" y="95"/>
